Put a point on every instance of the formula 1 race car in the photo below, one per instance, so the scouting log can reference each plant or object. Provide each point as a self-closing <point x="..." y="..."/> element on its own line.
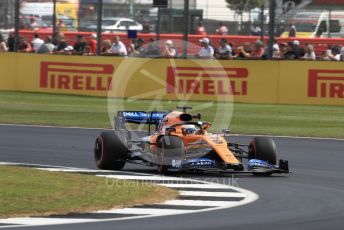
<point x="182" y="142"/>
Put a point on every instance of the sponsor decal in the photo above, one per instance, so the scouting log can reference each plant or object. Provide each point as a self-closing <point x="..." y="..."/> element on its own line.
<point x="207" y="81"/>
<point x="139" y="116"/>
<point x="201" y="162"/>
<point x="158" y="115"/>
<point x="176" y="163"/>
<point x="326" y="83"/>
<point x="76" y="76"/>
<point x="255" y="163"/>
<point x="135" y="114"/>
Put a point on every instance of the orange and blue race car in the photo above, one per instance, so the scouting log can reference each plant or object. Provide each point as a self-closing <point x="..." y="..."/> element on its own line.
<point x="178" y="141"/>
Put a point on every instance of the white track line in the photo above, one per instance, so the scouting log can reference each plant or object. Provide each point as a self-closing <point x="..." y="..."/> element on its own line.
<point x="199" y="203"/>
<point x="211" y="194"/>
<point x="42" y="221"/>
<point x="147" y="211"/>
<point x="200" y="186"/>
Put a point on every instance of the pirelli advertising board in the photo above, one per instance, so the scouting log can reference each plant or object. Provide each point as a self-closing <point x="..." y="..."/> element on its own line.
<point x="64" y="74"/>
<point x="287" y="82"/>
<point x="311" y="83"/>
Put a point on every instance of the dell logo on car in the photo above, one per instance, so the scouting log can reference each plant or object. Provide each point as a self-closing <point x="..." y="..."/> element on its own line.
<point x="132" y="114"/>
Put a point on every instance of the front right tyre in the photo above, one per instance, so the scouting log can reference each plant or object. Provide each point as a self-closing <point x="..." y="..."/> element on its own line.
<point x="263" y="148"/>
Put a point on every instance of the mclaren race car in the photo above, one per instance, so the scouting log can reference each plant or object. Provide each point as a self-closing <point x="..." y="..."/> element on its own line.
<point x="178" y="141"/>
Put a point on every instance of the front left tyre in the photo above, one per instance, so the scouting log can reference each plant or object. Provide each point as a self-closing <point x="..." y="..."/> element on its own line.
<point x="110" y="150"/>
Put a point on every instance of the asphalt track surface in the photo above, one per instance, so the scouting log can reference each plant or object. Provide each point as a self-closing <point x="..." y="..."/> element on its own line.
<point x="312" y="197"/>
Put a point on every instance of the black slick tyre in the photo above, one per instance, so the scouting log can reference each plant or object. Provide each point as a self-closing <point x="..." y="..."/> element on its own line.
<point x="110" y="150"/>
<point x="263" y="148"/>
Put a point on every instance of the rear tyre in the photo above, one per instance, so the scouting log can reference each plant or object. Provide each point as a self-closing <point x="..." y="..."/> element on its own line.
<point x="110" y="150"/>
<point x="170" y="148"/>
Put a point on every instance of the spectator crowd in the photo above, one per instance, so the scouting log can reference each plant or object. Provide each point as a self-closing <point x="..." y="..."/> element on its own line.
<point x="292" y="50"/>
<point x="225" y="50"/>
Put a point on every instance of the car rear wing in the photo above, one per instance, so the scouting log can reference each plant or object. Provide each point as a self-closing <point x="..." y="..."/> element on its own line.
<point x="138" y="117"/>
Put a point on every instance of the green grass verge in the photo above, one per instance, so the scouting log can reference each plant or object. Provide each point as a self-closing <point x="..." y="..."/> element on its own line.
<point x="67" y="110"/>
<point x="32" y="192"/>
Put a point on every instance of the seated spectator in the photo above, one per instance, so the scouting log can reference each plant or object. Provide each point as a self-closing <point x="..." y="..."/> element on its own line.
<point x="118" y="48"/>
<point x="276" y="53"/>
<point x="36" y="42"/>
<point x="48" y="47"/>
<point x="233" y="49"/>
<point x="10" y="42"/>
<point x="132" y="46"/>
<point x="61" y="44"/>
<point x="290" y="53"/>
<point x="24" y="46"/>
<point x="224" y="52"/>
<point x="299" y="50"/>
<point x="335" y="53"/>
<point x="153" y="49"/>
<point x="106" y="47"/>
<point x="80" y="44"/>
<point x="283" y="49"/>
<point x="138" y="50"/>
<point x="342" y="54"/>
<point x="3" y="45"/>
<point x="92" y="43"/>
<point x="169" y="51"/>
<point x="323" y="56"/>
<point x="244" y="52"/>
<point x="206" y="51"/>
<point x="332" y="54"/>
<point x="310" y="54"/>
<point x="258" y="50"/>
